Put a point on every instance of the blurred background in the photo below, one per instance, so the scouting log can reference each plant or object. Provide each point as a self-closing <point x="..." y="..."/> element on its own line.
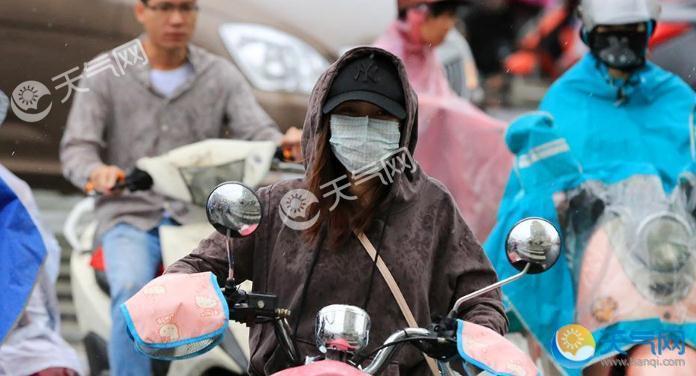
<point x="280" y="46"/>
<point x="502" y="57"/>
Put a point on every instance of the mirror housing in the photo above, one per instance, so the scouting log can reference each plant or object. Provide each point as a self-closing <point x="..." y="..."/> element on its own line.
<point x="234" y="210"/>
<point x="533" y="241"/>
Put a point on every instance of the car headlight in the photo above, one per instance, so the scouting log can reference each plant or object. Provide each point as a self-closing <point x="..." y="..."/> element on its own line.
<point x="273" y="60"/>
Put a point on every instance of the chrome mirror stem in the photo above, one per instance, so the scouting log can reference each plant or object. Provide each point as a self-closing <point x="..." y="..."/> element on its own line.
<point x="230" y="257"/>
<point x="487" y="289"/>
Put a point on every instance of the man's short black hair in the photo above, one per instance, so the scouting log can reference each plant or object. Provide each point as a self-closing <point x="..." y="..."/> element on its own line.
<point x="438" y="8"/>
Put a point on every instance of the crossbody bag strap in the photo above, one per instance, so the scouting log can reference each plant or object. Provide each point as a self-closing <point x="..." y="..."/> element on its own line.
<point x="396" y="292"/>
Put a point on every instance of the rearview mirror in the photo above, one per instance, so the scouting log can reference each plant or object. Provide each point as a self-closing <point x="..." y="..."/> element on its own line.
<point x="533" y="241"/>
<point x="532" y="246"/>
<point x="234" y="210"/>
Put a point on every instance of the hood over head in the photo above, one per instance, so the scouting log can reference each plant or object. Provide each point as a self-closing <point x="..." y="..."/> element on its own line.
<point x="405" y="184"/>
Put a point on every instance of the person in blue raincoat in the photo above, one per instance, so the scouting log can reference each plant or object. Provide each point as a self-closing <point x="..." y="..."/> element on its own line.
<point x="22" y="252"/>
<point x="30" y="340"/>
<point x="610" y="118"/>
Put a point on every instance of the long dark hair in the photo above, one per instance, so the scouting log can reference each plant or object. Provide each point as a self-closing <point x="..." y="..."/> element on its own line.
<point x="348" y="216"/>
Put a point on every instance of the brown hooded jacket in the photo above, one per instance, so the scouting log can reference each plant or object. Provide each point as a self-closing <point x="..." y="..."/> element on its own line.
<point x="429" y="249"/>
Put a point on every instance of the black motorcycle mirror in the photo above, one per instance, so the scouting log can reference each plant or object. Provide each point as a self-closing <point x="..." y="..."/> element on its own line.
<point x="4" y="104"/>
<point x="235" y="211"/>
<point x="532" y="246"/>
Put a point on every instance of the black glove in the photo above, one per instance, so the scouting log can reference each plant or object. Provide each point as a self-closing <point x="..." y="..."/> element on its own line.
<point x="138" y="180"/>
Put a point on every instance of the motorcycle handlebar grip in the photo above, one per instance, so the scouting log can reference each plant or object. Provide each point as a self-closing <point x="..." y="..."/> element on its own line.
<point x="91" y="190"/>
<point x="283" y="154"/>
<point x="138" y="180"/>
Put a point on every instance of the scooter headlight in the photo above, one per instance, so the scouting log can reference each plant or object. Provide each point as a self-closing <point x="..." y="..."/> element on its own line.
<point x="342" y="328"/>
<point x="666" y="239"/>
<point x="666" y="248"/>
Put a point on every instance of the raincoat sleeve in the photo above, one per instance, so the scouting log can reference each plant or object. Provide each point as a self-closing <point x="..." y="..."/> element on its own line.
<point x="22" y="248"/>
<point x="211" y="253"/>
<point x="34" y="343"/>
<point x="543" y="166"/>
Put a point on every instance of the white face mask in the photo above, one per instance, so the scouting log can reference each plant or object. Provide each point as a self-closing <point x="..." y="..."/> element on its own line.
<point x="359" y="141"/>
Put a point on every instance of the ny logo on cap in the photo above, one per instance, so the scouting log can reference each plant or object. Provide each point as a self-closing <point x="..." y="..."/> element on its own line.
<point x="367" y="71"/>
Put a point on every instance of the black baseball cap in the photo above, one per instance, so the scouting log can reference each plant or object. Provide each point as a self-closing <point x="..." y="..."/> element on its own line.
<point x="371" y="78"/>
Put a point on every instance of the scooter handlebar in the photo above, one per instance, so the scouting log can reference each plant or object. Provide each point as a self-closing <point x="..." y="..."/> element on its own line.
<point x="137" y="180"/>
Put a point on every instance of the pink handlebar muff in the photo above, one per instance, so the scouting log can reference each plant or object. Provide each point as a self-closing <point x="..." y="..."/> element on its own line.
<point x="177" y="316"/>
<point x="491" y="352"/>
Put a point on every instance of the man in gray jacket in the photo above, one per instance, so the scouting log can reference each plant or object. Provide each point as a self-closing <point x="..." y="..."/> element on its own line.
<point x="181" y="95"/>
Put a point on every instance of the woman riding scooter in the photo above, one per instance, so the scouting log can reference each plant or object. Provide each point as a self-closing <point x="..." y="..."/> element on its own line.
<point x="361" y="111"/>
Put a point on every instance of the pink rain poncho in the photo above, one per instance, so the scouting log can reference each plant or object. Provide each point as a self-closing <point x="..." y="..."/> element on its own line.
<point x="458" y="144"/>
